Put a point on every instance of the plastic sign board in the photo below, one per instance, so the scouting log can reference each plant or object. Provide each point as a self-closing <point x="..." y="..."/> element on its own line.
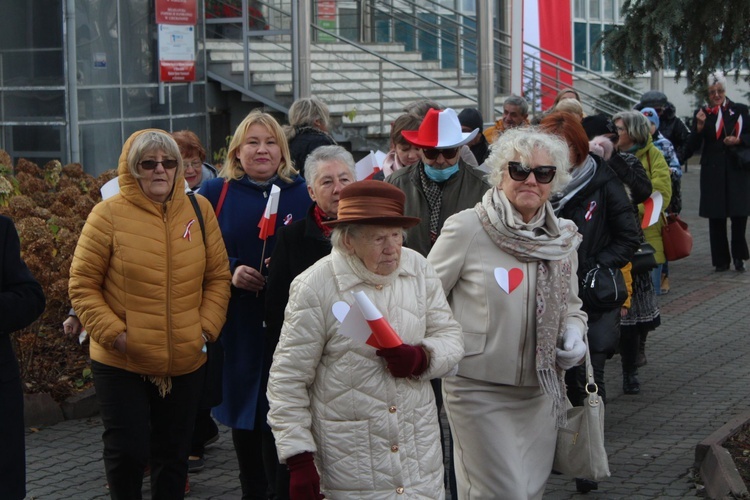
<point x="176" y="53"/>
<point x="177" y="12"/>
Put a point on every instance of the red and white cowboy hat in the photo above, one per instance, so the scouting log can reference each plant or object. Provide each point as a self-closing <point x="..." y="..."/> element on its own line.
<point x="439" y="130"/>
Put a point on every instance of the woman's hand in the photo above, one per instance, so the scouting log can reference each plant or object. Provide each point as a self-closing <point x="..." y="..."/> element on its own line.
<point x="573" y="350"/>
<point x="72" y="326"/>
<point x="248" y="278"/>
<point x="405" y="360"/>
<point x="700" y="120"/>
<point x="731" y="140"/>
<point x="121" y="343"/>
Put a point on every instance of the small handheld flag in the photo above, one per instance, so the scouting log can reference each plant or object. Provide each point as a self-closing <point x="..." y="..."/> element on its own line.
<point x="652" y="209"/>
<point x="383" y="335"/>
<point x="267" y="223"/>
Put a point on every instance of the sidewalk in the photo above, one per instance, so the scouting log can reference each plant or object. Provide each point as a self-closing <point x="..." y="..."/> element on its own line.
<point x="698" y="378"/>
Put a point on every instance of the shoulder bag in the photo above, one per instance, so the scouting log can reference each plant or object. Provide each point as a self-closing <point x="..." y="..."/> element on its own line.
<point x="678" y="242"/>
<point x="740" y="156"/>
<point x="580" y="448"/>
<point x="644" y="259"/>
<point x="604" y="288"/>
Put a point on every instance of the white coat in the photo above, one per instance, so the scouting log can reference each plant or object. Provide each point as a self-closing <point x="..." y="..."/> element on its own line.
<point x="372" y="435"/>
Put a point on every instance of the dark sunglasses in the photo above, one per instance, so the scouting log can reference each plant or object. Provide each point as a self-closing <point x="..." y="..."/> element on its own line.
<point x="151" y="164"/>
<point x="543" y="174"/>
<point x="432" y="154"/>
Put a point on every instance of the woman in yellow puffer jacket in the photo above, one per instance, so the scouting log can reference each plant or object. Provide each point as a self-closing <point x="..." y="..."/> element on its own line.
<point x="151" y="289"/>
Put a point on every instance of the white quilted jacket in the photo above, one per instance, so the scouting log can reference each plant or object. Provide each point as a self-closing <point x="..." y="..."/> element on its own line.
<point x="372" y="435"/>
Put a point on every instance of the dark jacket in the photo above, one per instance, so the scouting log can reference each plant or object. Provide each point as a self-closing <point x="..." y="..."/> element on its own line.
<point x="724" y="186"/>
<point x="610" y="237"/>
<point x="21" y="302"/>
<point x="631" y="172"/>
<point x="304" y="142"/>
<point x="481" y="150"/>
<point x="464" y="190"/>
<point x="674" y="129"/>
<point x="298" y="247"/>
<point x="243" y="337"/>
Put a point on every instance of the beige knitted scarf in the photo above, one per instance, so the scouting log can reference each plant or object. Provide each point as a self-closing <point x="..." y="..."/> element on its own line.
<point x="548" y="241"/>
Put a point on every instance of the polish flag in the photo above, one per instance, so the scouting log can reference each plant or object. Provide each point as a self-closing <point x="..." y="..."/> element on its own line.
<point x="267" y="223"/>
<point x="383" y="335"/>
<point x="652" y="209"/>
<point x="367" y="167"/>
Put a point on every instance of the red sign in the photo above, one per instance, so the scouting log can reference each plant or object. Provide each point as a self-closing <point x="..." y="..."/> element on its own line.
<point x="177" y="71"/>
<point x="176" y="12"/>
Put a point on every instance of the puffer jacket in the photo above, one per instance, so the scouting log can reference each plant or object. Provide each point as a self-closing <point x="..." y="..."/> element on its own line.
<point x="372" y="435"/>
<point x="135" y="269"/>
<point x="499" y="328"/>
<point x="658" y="172"/>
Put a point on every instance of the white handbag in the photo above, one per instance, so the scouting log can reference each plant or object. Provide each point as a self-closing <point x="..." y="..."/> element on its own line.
<point x="580" y="449"/>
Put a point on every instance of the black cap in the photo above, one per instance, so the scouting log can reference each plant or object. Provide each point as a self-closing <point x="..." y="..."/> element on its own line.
<point x="653" y="99"/>
<point x="472" y="118"/>
<point x="596" y="125"/>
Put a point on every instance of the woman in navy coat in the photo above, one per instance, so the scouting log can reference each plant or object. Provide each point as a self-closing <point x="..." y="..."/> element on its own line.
<point x="21" y="302"/>
<point x="258" y="158"/>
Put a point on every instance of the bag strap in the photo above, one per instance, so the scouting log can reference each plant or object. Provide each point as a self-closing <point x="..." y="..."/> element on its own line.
<point x="198" y="215"/>
<point x="224" y="189"/>
<point x="591" y="388"/>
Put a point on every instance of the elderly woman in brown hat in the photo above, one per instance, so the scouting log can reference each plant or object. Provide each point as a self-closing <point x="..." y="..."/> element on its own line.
<point x="348" y="418"/>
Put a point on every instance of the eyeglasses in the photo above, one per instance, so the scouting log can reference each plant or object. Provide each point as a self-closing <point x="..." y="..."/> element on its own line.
<point x="543" y="174"/>
<point x="717" y="92"/>
<point x="192" y="164"/>
<point x="621" y="129"/>
<point x="432" y="154"/>
<point x="151" y="164"/>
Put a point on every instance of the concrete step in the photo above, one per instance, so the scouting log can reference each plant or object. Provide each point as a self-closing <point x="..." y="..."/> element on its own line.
<point x="335" y="48"/>
<point x="283" y="75"/>
<point x="255" y="56"/>
<point x="281" y="65"/>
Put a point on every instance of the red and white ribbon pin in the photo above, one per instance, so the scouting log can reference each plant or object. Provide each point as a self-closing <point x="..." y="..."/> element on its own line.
<point x="187" y="234"/>
<point x="590" y="211"/>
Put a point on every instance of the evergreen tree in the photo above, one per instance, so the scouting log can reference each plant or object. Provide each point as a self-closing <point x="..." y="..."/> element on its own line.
<point x="699" y="36"/>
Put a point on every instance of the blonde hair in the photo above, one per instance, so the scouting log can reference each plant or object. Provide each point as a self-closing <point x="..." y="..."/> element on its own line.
<point x="148" y="142"/>
<point x="570" y="106"/>
<point x="232" y="168"/>
<point x="304" y="112"/>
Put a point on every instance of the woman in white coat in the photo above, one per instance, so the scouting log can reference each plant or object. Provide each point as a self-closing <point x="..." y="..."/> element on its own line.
<point x="508" y="267"/>
<point x="350" y="420"/>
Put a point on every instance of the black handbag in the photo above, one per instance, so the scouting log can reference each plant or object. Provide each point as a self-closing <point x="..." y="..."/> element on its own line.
<point x="644" y="259"/>
<point x="604" y="288"/>
<point x="741" y="156"/>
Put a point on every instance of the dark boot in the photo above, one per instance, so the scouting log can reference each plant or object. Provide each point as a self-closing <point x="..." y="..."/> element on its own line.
<point x="630" y="383"/>
<point x="586" y="485"/>
<point x="641" y="359"/>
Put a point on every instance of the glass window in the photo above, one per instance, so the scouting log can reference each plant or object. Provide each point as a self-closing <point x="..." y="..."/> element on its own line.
<point x="37" y="105"/>
<point x="143" y="101"/>
<point x="580" y="44"/>
<point x="98" y="104"/>
<point x="179" y="96"/>
<point x="608" y="13"/>
<point x="579" y="9"/>
<point x="595" y="34"/>
<point x="594" y="12"/>
<point x="197" y="125"/>
<point x="101" y="145"/>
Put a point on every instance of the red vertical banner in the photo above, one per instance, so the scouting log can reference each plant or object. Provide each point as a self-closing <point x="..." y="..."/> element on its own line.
<point x="555" y="36"/>
<point x="177" y="12"/>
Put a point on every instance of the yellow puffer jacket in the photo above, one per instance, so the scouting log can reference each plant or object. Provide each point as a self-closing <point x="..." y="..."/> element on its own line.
<point x="135" y="270"/>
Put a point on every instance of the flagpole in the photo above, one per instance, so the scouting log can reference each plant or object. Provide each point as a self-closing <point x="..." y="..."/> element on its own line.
<point x="260" y="267"/>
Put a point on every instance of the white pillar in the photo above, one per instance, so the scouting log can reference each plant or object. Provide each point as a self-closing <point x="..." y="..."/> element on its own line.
<point x="516" y="48"/>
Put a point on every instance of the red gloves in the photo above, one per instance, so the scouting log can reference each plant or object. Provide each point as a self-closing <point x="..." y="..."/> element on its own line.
<point x="405" y="360"/>
<point x="304" y="482"/>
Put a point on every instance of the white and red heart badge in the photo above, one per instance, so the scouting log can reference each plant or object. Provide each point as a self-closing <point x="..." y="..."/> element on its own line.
<point x="508" y="279"/>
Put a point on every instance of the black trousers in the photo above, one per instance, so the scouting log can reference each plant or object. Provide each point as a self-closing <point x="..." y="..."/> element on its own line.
<point x="261" y="475"/>
<point x="142" y="428"/>
<point x="13" y="457"/>
<point x="717" y="232"/>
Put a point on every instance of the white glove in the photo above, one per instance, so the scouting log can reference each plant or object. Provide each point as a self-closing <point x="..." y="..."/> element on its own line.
<point x="574" y="349"/>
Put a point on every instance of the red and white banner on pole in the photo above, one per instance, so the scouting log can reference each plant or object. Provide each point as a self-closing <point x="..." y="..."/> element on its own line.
<point x="267" y="223"/>
<point x="177" y="12"/>
<point x="652" y="209"/>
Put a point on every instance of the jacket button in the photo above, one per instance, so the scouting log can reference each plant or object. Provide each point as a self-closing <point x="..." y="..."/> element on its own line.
<point x="392" y="409"/>
<point x="394" y="448"/>
<point x="378" y="287"/>
<point x="400" y="490"/>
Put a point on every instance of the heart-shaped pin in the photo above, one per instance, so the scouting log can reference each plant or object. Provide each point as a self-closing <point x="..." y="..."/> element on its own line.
<point x="508" y="279"/>
<point x="340" y="309"/>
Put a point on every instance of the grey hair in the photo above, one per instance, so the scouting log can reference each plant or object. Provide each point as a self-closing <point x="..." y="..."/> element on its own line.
<point x="523" y="142"/>
<point x="515" y="100"/>
<point x="717" y="78"/>
<point x="420" y="107"/>
<point x="304" y="111"/>
<point x="636" y="125"/>
<point x="327" y="154"/>
<point x="148" y="142"/>
<point x="341" y="231"/>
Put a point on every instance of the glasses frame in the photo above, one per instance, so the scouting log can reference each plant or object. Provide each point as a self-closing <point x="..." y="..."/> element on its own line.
<point x="168" y="164"/>
<point x="519" y="173"/>
<point x="433" y="153"/>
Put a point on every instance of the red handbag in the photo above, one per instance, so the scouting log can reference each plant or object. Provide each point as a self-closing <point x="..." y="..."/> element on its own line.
<point x="678" y="242"/>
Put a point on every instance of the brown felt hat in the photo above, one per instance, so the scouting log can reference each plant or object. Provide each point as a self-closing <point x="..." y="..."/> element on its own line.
<point x="374" y="203"/>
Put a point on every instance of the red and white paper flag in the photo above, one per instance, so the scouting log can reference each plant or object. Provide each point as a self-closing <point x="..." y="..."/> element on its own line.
<point x="267" y="223"/>
<point x="367" y="167"/>
<point x="383" y="335"/>
<point x="652" y="209"/>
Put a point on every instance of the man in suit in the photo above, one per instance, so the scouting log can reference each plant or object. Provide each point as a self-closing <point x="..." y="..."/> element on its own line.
<point x="21" y="302"/>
